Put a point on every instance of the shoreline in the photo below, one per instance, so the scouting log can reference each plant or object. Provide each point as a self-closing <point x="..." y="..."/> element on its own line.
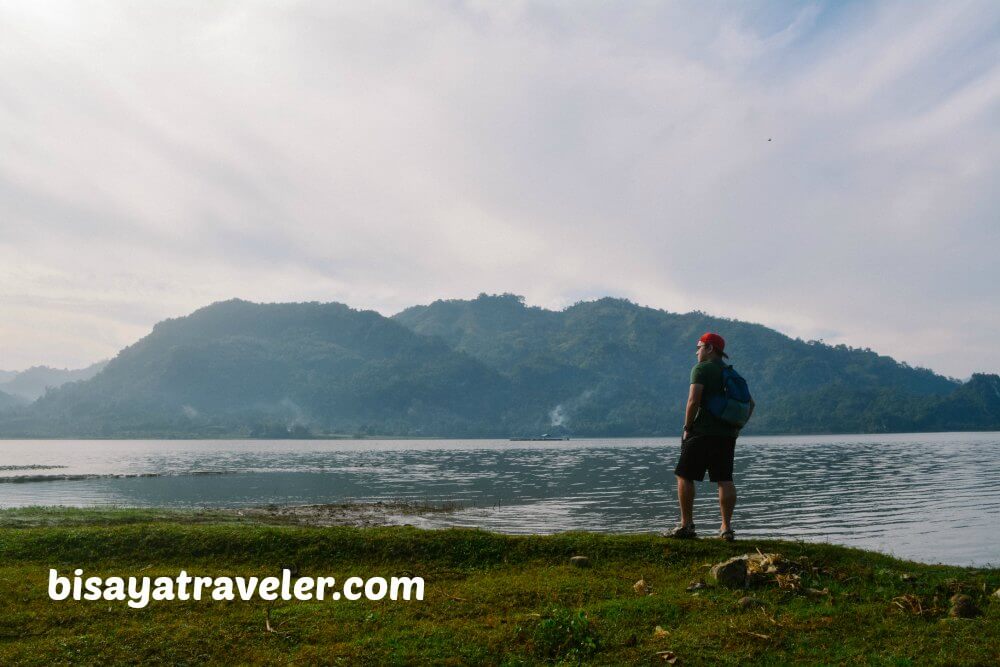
<point x="351" y="514"/>
<point x="319" y="515"/>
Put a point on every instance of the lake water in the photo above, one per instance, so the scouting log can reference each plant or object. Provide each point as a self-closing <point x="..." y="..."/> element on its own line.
<point x="926" y="497"/>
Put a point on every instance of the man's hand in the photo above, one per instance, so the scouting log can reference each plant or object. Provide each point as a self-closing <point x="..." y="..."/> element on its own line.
<point x="691" y="411"/>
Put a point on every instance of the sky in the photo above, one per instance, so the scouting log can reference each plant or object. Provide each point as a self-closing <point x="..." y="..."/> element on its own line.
<point x="827" y="169"/>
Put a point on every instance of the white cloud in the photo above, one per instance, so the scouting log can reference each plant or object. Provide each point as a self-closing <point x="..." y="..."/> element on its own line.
<point x="155" y="157"/>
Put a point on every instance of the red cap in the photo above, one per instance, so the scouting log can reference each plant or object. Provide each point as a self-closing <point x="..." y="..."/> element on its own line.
<point x="716" y="341"/>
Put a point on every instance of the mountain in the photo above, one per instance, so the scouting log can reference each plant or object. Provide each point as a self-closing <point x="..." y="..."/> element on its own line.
<point x="973" y="406"/>
<point x="235" y="367"/>
<point x="32" y="383"/>
<point x="8" y="401"/>
<point x="489" y="366"/>
<point x="611" y="367"/>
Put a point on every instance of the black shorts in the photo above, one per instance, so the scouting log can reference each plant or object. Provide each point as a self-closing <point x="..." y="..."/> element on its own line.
<point x="706" y="452"/>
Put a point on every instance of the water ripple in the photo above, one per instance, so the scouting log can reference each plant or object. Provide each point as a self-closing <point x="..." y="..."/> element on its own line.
<point x="927" y="497"/>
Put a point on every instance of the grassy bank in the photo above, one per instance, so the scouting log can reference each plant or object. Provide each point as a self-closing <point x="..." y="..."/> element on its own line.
<point x="490" y="599"/>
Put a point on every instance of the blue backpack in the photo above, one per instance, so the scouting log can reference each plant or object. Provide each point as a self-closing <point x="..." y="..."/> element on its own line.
<point x="733" y="404"/>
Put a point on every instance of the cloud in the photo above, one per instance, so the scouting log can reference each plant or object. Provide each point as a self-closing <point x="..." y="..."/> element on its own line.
<point x="155" y="157"/>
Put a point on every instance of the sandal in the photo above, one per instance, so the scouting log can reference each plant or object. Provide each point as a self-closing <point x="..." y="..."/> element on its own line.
<point x="682" y="533"/>
<point x="728" y="535"/>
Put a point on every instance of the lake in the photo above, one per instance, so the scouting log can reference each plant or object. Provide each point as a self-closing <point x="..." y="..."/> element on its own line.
<point x="926" y="497"/>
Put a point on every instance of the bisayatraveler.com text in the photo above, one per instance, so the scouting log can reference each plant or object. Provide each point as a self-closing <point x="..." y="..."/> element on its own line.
<point x="138" y="592"/>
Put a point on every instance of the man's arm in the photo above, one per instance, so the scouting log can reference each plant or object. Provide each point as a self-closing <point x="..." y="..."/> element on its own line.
<point x="691" y="411"/>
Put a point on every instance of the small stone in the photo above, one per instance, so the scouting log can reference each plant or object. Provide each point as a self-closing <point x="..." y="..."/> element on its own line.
<point x="996" y="593"/>
<point x="668" y="657"/>
<point x="906" y="576"/>
<point x="731" y="573"/>
<point x="660" y="633"/>
<point x="696" y="586"/>
<point x="641" y="587"/>
<point x="579" y="561"/>
<point x="746" y="602"/>
<point x="962" y="607"/>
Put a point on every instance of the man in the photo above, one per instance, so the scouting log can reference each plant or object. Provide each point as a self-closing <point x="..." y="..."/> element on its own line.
<point x="708" y="442"/>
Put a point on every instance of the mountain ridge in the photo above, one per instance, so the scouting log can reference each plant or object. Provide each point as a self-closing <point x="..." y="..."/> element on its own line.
<point x="32" y="383"/>
<point x="484" y="367"/>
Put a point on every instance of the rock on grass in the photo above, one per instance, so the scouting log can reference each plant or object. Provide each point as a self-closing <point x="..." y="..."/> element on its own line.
<point x="731" y="573"/>
<point x="962" y="606"/>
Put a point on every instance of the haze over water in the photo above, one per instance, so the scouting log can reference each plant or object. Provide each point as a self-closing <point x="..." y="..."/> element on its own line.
<point x="926" y="497"/>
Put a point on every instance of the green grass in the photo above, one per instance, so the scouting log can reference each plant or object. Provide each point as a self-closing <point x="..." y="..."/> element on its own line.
<point x="490" y="599"/>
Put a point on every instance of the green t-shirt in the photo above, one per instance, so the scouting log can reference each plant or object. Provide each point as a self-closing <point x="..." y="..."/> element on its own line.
<point x="709" y="374"/>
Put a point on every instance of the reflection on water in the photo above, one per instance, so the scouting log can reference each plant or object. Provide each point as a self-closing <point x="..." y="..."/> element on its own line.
<point x="928" y="497"/>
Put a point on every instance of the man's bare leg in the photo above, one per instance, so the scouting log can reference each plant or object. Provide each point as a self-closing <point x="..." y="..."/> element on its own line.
<point x="685" y="496"/>
<point x="727" y="501"/>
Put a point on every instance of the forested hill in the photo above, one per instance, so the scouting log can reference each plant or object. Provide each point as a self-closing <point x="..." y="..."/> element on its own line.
<point x="236" y="368"/>
<point x="10" y="401"/>
<point x="616" y="367"/>
<point x="484" y="367"/>
<point x="31" y="383"/>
